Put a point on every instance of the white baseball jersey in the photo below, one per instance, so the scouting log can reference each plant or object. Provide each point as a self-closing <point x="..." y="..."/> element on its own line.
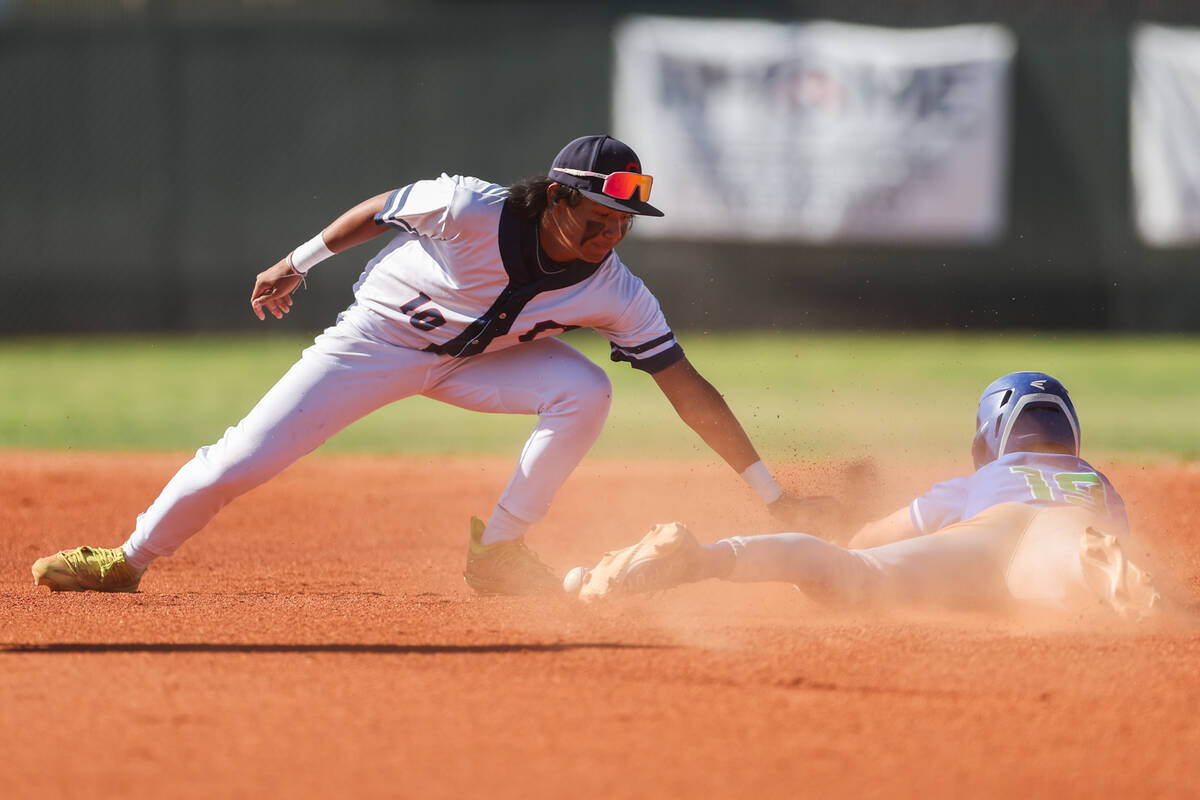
<point x="465" y="275"/>
<point x="1033" y="478"/>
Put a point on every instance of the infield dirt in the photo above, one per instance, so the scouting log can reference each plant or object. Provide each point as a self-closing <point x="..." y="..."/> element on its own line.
<point x="317" y="640"/>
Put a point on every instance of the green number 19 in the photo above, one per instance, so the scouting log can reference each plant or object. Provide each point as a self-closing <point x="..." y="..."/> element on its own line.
<point x="1037" y="482"/>
<point x="1078" y="488"/>
<point x="1083" y="489"/>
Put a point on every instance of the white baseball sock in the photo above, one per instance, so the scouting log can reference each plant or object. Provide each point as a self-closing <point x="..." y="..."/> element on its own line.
<point x="503" y="526"/>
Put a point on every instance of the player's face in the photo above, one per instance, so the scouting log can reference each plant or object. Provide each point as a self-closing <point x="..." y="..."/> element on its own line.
<point x="589" y="230"/>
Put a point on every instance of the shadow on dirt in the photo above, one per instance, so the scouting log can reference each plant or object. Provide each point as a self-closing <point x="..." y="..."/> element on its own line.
<point x="375" y="649"/>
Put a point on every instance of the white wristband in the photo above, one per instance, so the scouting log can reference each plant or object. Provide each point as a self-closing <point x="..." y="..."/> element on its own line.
<point x="759" y="478"/>
<point x="309" y="254"/>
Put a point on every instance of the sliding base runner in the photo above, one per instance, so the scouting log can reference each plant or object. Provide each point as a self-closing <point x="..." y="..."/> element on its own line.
<point x="1035" y="526"/>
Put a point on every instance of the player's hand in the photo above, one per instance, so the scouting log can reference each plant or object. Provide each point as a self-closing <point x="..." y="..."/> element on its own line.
<point x="273" y="290"/>
<point x="821" y="516"/>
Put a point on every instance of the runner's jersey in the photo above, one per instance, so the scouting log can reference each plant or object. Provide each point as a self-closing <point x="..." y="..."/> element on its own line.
<point x="1035" y="478"/>
<point x="465" y="275"/>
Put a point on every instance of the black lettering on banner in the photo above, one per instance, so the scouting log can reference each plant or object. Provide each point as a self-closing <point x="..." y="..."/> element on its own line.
<point x="425" y="320"/>
<point x="542" y="327"/>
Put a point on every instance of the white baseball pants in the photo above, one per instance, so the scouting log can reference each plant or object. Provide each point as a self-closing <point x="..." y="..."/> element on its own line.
<point x="1007" y="554"/>
<point x="348" y="373"/>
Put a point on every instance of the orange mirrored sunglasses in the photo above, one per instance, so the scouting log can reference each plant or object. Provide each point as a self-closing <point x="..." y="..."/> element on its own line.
<point x="620" y="185"/>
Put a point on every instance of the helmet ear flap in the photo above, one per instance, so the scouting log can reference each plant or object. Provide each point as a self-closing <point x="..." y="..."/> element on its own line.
<point x="979" y="450"/>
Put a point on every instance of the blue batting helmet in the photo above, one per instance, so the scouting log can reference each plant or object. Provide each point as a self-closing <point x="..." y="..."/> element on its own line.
<point x="1023" y="412"/>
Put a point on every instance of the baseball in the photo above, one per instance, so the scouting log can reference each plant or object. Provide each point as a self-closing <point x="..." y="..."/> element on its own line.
<point x="573" y="582"/>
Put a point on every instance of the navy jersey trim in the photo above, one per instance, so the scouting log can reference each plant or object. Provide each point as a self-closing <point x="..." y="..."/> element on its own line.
<point x="396" y="222"/>
<point x="542" y="327"/>
<point x="516" y="239"/>
<point x="653" y="364"/>
<point x="650" y="345"/>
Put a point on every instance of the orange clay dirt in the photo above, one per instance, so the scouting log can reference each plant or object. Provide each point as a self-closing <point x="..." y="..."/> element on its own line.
<point x="317" y="640"/>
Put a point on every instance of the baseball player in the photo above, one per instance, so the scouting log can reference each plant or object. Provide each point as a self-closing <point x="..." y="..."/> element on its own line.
<point x="460" y="305"/>
<point x="1034" y="525"/>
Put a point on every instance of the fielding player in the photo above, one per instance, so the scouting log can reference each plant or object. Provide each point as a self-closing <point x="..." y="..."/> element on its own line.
<point x="1035" y="524"/>
<point x="461" y="305"/>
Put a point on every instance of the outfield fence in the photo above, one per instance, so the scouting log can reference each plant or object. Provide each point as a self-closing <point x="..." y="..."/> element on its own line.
<point x="156" y="155"/>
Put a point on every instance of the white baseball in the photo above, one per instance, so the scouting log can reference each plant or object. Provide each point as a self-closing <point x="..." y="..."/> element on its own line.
<point x="573" y="582"/>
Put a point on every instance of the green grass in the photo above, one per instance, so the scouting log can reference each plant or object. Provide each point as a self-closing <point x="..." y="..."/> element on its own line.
<point x="800" y="396"/>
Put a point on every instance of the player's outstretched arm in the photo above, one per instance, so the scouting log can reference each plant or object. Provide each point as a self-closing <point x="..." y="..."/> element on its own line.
<point x="273" y="287"/>
<point x="705" y="411"/>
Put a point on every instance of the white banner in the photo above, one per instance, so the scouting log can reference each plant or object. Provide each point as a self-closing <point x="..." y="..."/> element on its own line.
<point x="818" y="131"/>
<point x="1164" y="134"/>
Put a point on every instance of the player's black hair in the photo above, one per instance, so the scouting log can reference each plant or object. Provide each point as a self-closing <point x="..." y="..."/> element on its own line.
<point x="527" y="198"/>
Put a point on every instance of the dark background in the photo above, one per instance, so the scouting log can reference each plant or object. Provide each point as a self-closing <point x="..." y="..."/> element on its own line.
<point x="155" y="155"/>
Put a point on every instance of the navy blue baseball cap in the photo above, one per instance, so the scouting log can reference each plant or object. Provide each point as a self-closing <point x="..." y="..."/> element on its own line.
<point x="606" y="171"/>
